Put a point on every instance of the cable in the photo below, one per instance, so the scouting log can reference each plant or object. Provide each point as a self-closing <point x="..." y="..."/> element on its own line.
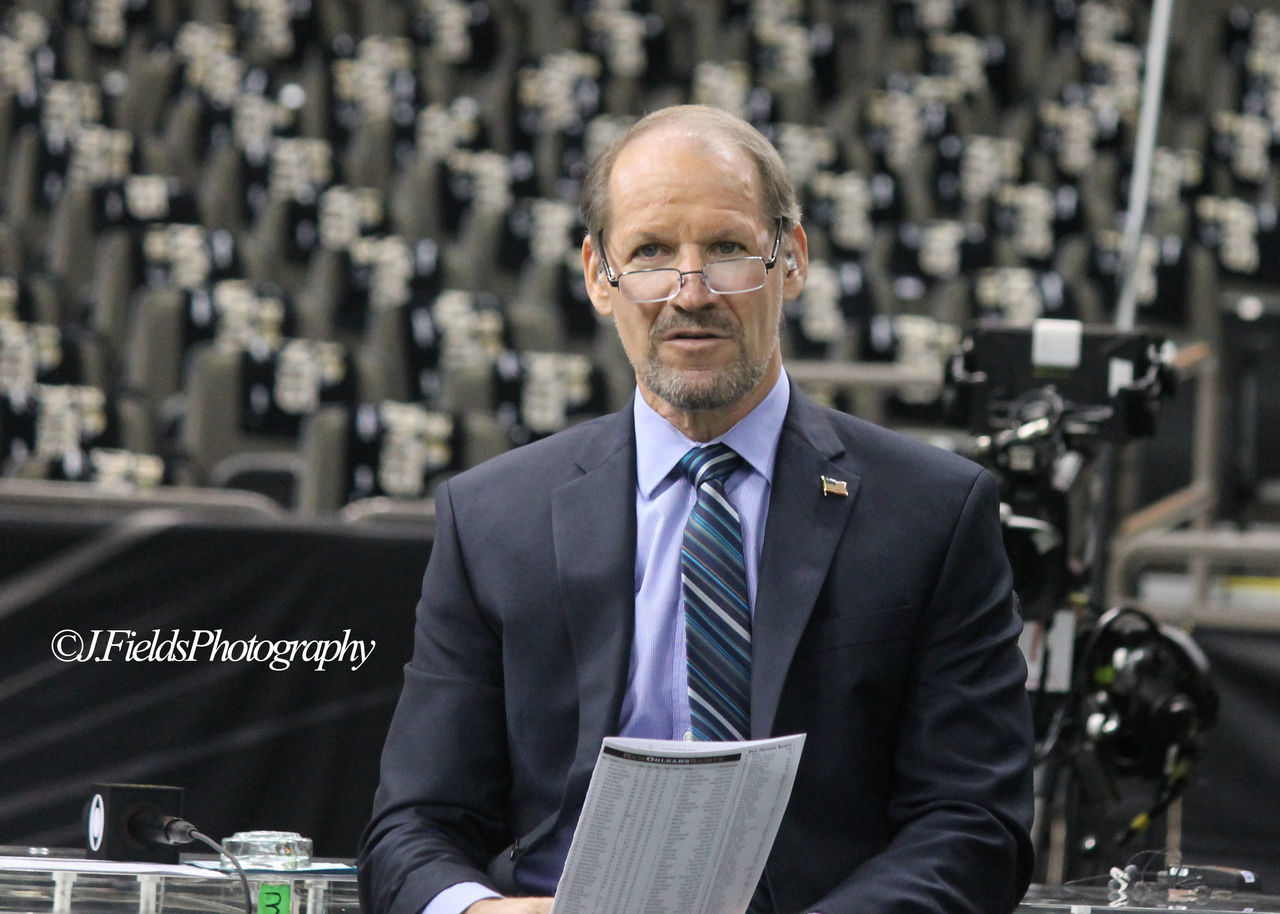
<point x="155" y="828"/>
<point x="244" y="880"/>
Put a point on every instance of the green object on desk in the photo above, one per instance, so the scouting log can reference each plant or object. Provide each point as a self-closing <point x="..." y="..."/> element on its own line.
<point x="274" y="898"/>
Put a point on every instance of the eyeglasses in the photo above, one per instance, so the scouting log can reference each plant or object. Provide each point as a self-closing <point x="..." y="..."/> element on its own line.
<point x="723" y="277"/>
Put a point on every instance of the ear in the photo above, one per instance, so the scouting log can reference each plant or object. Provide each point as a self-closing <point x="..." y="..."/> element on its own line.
<point x="795" y="262"/>
<point x="598" y="288"/>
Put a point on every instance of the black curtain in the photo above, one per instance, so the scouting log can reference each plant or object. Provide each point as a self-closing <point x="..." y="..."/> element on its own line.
<point x="253" y="747"/>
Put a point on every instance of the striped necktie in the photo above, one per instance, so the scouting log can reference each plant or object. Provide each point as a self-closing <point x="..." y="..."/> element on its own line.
<point x="713" y="578"/>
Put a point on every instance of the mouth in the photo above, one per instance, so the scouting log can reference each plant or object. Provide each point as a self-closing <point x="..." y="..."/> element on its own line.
<point x="707" y="329"/>
<point x="678" y="336"/>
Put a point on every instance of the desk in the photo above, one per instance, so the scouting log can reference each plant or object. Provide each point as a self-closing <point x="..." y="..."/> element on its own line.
<point x="60" y="885"/>
<point x="51" y="885"/>
<point x="1057" y="899"/>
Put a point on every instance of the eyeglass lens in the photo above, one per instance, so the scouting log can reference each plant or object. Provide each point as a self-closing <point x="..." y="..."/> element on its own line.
<point x="724" y="277"/>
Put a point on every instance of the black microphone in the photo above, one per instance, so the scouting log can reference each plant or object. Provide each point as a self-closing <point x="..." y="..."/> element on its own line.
<point x="149" y="826"/>
<point x="127" y="822"/>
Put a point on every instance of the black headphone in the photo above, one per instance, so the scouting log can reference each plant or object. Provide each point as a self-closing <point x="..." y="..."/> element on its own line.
<point x="1147" y="688"/>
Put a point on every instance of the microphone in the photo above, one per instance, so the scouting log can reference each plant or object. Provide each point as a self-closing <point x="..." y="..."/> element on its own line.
<point x="128" y="822"/>
<point x="149" y="826"/>
<point x="134" y="822"/>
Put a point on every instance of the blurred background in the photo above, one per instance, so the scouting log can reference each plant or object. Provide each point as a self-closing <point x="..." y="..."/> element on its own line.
<point x="270" y="270"/>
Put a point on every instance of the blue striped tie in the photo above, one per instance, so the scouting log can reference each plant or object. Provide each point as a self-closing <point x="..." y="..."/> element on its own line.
<point x="713" y="577"/>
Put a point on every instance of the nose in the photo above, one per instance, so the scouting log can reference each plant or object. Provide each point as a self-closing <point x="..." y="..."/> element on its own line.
<point x="693" y="289"/>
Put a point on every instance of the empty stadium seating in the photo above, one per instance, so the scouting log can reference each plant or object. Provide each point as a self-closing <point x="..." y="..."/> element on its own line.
<point x="237" y="233"/>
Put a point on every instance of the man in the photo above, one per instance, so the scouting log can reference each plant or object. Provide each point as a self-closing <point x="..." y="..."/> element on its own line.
<point x="881" y="620"/>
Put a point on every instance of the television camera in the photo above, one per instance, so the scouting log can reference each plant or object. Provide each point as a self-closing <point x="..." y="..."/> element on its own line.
<point x="1121" y="701"/>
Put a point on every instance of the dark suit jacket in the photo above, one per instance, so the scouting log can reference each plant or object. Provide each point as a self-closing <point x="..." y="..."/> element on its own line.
<point x="884" y="629"/>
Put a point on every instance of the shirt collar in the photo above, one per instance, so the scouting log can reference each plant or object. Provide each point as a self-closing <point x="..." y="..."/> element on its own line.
<point x="659" y="445"/>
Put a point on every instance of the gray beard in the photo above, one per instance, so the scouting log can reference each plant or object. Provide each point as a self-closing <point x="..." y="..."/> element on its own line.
<point x="688" y="391"/>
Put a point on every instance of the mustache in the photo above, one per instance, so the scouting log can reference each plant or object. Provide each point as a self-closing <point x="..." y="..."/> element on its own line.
<point x="680" y="321"/>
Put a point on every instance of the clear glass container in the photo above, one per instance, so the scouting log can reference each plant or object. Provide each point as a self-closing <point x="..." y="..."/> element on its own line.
<point x="269" y="850"/>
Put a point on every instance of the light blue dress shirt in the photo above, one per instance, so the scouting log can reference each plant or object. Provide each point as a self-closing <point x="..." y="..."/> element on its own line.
<point x="656" y="702"/>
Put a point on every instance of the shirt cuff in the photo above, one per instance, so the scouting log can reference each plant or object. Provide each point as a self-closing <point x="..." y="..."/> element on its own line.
<point x="457" y="898"/>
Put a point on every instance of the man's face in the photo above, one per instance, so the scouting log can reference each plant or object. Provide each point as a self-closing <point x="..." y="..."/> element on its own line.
<point x="682" y="202"/>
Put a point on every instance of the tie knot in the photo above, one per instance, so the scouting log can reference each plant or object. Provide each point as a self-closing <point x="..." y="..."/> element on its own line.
<point x="712" y="463"/>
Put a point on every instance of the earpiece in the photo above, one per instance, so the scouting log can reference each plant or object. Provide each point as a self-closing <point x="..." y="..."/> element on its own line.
<point x="791" y="262"/>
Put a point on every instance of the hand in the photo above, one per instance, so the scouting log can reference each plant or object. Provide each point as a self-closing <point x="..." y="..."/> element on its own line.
<point x="510" y="906"/>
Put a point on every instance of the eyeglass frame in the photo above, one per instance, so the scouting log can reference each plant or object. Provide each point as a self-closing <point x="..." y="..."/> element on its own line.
<point x="768" y="265"/>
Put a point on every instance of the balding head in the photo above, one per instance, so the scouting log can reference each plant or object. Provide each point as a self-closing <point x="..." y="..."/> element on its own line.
<point x="713" y="126"/>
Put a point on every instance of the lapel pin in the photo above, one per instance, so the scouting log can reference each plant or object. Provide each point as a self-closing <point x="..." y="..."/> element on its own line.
<point x="834" y="486"/>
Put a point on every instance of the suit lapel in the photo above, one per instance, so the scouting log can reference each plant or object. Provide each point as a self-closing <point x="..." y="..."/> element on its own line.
<point x="801" y="534"/>
<point x="593" y="522"/>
